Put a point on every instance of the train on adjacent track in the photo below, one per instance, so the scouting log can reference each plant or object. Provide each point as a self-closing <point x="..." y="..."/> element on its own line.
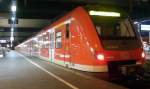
<point x="90" y="40"/>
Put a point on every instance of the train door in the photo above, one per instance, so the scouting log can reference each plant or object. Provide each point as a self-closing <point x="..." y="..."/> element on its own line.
<point x="68" y="60"/>
<point x="52" y="44"/>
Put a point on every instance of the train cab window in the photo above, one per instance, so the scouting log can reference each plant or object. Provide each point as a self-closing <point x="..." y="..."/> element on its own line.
<point x="120" y="29"/>
<point x="58" y="40"/>
<point x="116" y="33"/>
<point x="67" y="30"/>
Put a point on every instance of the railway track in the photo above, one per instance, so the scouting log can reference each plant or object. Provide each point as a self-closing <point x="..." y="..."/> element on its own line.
<point x="129" y="83"/>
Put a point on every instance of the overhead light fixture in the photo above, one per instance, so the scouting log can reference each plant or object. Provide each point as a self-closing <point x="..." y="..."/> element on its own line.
<point x="135" y="22"/>
<point x="12" y="29"/>
<point x="103" y="13"/>
<point x="11" y="38"/>
<point x="3" y="41"/>
<point x="13" y="18"/>
<point x="13" y="8"/>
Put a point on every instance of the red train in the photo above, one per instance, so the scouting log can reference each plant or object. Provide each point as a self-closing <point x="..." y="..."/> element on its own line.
<point x="88" y="40"/>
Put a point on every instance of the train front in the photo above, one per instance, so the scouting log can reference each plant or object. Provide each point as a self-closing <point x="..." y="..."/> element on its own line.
<point x="122" y="48"/>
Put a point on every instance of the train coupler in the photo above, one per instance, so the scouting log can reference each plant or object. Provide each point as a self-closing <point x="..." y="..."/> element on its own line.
<point x="133" y="72"/>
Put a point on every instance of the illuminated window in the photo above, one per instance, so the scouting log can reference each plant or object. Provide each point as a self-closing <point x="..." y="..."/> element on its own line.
<point x="58" y="40"/>
<point x="52" y="37"/>
<point x="46" y="40"/>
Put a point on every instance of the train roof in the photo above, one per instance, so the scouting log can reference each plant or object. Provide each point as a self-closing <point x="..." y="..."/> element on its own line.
<point x="87" y="8"/>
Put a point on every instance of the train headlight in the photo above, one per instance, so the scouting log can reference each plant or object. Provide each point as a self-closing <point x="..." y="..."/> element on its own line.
<point x="1" y="55"/>
<point x="100" y="57"/>
<point x="143" y="55"/>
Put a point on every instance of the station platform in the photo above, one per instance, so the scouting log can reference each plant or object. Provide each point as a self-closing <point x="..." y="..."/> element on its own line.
<point x="18" y="71"/>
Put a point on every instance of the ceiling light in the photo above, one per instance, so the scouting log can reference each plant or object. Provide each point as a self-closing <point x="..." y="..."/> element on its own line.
<point x="12" y="29"/>
<point x="13" y="8"/>
<point x="13" y="18"/>
<point x="103" y="13"/>
<point x="3" y="41"/>
<point x="135" y="22"/>
<point x="11" y="38"/>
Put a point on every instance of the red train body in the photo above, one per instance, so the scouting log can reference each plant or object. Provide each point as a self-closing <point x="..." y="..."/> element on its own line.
<point x="87" y="43"/>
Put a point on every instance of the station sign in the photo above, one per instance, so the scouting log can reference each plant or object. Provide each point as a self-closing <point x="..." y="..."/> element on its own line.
<point x="145" y="27"/>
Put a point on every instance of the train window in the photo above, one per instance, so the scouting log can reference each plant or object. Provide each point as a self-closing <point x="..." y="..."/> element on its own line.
<point x="58" y="40"/>
<point x="35" y="45"/>
<point x="67" y="30"/>
<point x="120" y="29"/>
<point x="52" y="40"/>
<point x="45" y="41"/>
<point x="40" y="40"/>
<point x="46" y="38"/>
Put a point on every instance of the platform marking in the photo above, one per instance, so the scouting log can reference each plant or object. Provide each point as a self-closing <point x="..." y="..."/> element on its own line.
<point x="53" y="75"/>
<point x="69" y="70"/>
